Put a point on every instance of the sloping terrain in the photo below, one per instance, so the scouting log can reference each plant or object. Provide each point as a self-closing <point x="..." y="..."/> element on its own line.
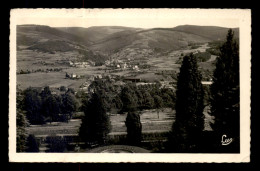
<point x="44" y="33"/>
<point x="160" y="38"/>
<point x="149" y="39"/>
<point x="51" y="46"/>
<point x="211" y="32"/>
<point x="111" y="39"/>
<point x="97" y="33"/>
<point x="50" y="40"/>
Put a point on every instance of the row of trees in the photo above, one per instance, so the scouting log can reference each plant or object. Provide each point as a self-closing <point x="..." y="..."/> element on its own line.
<point x="187" y="130"/>
<point x="146" y="97"/>
<point x="43" y="106"/>
<point x="127" y="97"/>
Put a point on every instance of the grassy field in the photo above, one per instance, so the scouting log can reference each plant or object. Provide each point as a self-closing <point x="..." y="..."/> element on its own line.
<point x="169" y="60"/>
<point x="88" y="71"/>
<point x="33" y="60"/>
<point x="58" y="128"/>
<point x="149" y="119"/>
<point x="52" y="79"/>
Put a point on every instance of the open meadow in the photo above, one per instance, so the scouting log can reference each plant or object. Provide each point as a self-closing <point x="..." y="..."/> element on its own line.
<point x="149" y="119"/>
<point x="52" y="79"/>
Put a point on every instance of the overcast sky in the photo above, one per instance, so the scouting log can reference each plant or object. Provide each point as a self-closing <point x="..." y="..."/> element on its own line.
<point x="132" y="18"/>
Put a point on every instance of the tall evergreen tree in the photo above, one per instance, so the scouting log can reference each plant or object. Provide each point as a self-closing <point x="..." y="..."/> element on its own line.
<point x="225" y="90"/>
<point x="134" y="128"/>
<point x="95" y="124"/>
<point x="189" y="122"/>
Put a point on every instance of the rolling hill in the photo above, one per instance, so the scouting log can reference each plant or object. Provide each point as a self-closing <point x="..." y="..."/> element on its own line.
<point x="51" y="40"/>
<point x="52" y="46"/>
<point x="108" y="40"/>
<point x="165" y="39"/>
<point x="149" y="39"/>
<point x="44" y="33"/>
<point x="97" y="33"/>
<point x="211" y="32"/>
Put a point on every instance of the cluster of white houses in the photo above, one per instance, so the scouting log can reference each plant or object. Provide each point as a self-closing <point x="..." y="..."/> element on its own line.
<point x="119" y="64"/>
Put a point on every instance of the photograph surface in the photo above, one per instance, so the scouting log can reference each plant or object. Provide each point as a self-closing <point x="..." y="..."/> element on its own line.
<point x="167" y="85"/>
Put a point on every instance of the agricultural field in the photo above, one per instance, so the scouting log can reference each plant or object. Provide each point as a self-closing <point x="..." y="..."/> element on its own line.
<point x="33" y="60"/>
<point x="88" y="71"/>
<point x="52" y="79"/>
<point x="50" y="69"/>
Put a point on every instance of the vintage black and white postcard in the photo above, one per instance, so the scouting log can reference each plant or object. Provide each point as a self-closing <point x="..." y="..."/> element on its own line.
<point x="156" y="85"/>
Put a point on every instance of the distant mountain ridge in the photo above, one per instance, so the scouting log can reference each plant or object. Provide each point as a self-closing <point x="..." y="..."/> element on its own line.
<point x="108" y="40"/>
<point x="211" y="32"/>
<point x="48" y="33"/>
<point x="95" y="33"/>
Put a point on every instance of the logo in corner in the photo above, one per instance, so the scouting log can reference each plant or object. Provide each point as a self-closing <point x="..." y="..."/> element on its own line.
<point x="225" y="140"/>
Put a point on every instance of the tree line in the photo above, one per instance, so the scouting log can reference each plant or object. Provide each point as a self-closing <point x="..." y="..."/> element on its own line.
<point x="125" y="97"/>
<point x="41" y="106"/>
